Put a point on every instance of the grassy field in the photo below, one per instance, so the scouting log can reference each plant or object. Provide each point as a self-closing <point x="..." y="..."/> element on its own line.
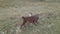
<point x="11" y="12"/>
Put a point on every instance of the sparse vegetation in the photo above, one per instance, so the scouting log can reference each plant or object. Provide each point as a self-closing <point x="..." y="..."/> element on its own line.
<point x="12" y="10"/>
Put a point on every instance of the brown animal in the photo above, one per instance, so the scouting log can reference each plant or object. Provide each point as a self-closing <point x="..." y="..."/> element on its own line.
<point x="33" y="19"/>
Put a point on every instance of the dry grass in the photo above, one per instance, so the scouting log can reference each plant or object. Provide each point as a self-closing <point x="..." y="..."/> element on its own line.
<point x="10" y="17"/>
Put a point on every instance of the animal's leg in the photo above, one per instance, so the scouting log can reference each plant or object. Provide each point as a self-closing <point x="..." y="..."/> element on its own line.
<point x="34" y="23"/>
<point x="24" y="22"/>
<point x="37" y="23"/>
